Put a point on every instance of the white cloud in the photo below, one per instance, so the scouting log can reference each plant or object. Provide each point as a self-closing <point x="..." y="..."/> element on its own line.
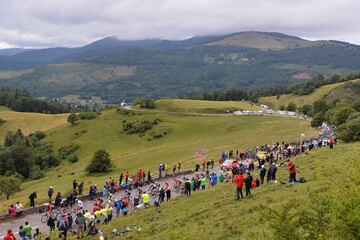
<point x="41" y="23"/>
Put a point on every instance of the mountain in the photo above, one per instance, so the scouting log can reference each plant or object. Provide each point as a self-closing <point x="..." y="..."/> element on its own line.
<point x="270" y="40"/>
<point x="12" y="51"/>
<point x="115" y="69"/>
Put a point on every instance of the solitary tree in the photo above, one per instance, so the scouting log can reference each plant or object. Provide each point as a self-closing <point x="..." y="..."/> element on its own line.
<point x="9" y="185"/>
<point x="100" y="162"/>
<point x="72" y="118"/>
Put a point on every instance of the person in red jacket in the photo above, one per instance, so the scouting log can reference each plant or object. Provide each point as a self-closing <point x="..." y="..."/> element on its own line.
<point x="127" y="175"/>
<point x="292" y="170"/>
<point x="239" y="180"/>
<point x="10" y="235"/>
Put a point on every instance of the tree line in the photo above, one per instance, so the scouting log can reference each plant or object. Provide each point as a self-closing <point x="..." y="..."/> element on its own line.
<point x="248" y="95"/>
<point x="21" y="101"/>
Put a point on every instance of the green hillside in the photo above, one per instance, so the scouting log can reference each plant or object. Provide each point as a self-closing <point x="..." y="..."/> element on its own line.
<point x="175" y="138"/>
<point x="301" y="100"/>
<point x="326" y="205"/>
<point x="201" y="106"/>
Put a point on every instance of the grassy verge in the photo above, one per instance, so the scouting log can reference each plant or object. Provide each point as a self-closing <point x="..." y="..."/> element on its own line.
<point x="214" y="214"/>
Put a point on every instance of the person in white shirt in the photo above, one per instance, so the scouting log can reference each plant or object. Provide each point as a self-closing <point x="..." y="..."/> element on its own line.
<point x="18" y="207"/>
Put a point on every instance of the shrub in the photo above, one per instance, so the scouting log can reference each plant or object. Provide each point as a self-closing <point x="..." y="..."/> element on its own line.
<point x="87" y="115"/>
<point x="350" y="131"/>
<point x="340" y="116"/>
<point x="137" y="127"/>
<point x="36" y="173"/>
<point x="144" y="103"/>
<point x="66" y="151"/>
<point x="123" y="111"/>
<point x="39" y="135"/>
<point x="318" y="119"/>
<point x="356" y="105"/>
<point x="73" y="158"/>
<point x="2" y="121"/>
<point x="306" y="109"/>
<point x="291" y="107"/>
<point x="100" y="162"/>
<point x="72" y="118"/>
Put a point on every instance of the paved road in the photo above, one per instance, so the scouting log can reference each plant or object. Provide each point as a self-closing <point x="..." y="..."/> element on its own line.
<point x="34" y="219"/>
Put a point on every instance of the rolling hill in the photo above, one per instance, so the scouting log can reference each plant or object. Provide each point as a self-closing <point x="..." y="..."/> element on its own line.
<point x="340" y="92"/>
<point x="175" y="138"/>
<point x="164" y="68"/>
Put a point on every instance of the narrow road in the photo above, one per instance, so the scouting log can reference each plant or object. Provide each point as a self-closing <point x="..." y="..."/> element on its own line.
<point x="35" y="219"/>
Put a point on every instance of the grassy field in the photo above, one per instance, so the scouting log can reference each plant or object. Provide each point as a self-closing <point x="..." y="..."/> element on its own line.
<point x="202" y="106"/>
<point x="285" y="99"/>
<point x="185" y="135"/>
<point x="214" y="213"/>
<point x="29" y="122"/>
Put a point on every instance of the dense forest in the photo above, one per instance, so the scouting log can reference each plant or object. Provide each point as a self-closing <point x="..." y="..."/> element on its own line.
<point x="21" y="101"/>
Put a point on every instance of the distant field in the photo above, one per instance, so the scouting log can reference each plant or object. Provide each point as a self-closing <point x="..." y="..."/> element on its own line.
<point x="285" y="99"/>
<point x="186" y="134"/>
<point x="29" y="122"/>
<point x="76" y="98"/>
<point x="202" y="106"/>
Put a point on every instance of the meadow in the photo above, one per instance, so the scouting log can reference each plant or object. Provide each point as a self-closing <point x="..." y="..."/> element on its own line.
<point x="29" y="122"/>
<point x="273" y="212"/>
<point x="203" y="106"/>
<point x="182" y="136"/>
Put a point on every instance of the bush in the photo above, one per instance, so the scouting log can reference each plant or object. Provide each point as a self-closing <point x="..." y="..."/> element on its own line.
<point x="65" y="151"/>
<point x="36" y="173"/>
<point x="39" y="135"/>
<point x="123" y="111"/>
<point x="350" y="131"/>
<point x="356" y="105"/>
<point x="291" y="107"/>
<point x="87" y="115"/>
<point x="72" y="118"/>
<point x="138" y="127"/>
<point x="318" y="119"/>
<point x="321" y="106"/>
<point x="100" y="162"/>
<point x="306" y="110"/>
<point x="2" y="121"/>
<point x="73" y="158"/>
<point x="339" y="116"/>
<point x="144" y="103"/>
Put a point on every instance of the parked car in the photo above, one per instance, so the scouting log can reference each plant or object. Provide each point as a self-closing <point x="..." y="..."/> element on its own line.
<point x="228" y="164"/>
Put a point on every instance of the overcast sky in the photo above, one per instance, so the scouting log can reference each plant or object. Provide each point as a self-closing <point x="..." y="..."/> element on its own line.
<point x="49" y="23"/>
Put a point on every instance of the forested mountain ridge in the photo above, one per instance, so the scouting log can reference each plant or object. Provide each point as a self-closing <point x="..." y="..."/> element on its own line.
<point x="114" y="69"/>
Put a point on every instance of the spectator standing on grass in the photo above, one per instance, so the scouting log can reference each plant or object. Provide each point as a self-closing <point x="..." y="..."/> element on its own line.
<point x="37" y="234"/>
<point x="203" y="183"/>
<point x="50" y="193"/>
<point x="174" y="170"/>
<point x="179" y="166"/>
<point x="263" y="171"/>
<point x="58" y="199"/>
<point x="273" y="171"/>
<point x="127" y="175"/>
<point x="168" y="194"/>
<point x="12" y="213"/>
<point x="239" y="180"/>
<point x="75" y="185"/>
<point x="81" y="187"/>
<point x="292" y="171"/>
<point x="121" y="178"/>
<point x="160" y="169"/>
<point x="248" y="183"/>
<point x="32" y="198"/>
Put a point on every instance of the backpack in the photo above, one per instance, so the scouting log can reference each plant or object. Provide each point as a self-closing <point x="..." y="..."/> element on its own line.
<point x="302" y="180"/>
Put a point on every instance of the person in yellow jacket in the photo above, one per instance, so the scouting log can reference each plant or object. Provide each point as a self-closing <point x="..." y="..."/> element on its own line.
<point x="97" y="215"/>
<point x="104" y="216"/>
<point x="146" y="199"/>
<point x="109" y="211"/>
